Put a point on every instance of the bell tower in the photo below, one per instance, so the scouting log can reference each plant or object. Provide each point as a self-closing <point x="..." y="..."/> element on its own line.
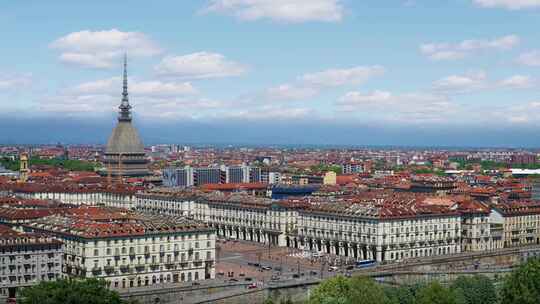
<point x="23" y="170"/>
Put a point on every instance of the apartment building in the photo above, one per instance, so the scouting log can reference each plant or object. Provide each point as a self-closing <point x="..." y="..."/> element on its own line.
<point x="117" y="196"/>
<point x="27" y="259"/>
<point x="520" y="221"/>
<point x="382" y="230"/>
<point x="133" y="250"/>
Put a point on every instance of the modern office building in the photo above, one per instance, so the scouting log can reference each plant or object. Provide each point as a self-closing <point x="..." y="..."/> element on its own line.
<point x="179" y="177"/>
<point x="188" y="176"/>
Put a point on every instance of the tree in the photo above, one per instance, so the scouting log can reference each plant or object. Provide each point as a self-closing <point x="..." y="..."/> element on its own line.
<point x="366" y="291"/>
<point x="90" y="291"/>
<point x="400" y="295"/>
<point x="522" y="286"/>
<point x="331" y="291"/>
<point x="478" y="289"/>
<point x="339" y="290"/>
<point x="435" y="293"/>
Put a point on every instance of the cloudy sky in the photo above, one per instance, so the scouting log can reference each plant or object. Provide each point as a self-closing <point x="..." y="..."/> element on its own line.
<point x="385" y="72"/>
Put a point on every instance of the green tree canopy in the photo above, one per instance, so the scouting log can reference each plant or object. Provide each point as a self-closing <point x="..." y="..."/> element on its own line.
<point x="366" y="290"/>
<point x="400" y="295"/>
<point x="339" y="290"/>
<point x="478" y="289"/>
<point x="435" y="293"/>
<point x="522" y="286"/>
<point x="90" y="291"/>
<point x="333" y="290"/>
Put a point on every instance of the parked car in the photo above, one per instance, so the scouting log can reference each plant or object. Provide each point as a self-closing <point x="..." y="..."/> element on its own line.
<point x="274" y="278"/>
<point x="248" y="279"/>
<point x="266" y="268"/>
<point x="252" y="286"/>
<point x="333" y="268"/>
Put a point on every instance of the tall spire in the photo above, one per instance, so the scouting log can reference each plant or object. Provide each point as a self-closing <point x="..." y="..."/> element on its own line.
<point x="125" y="107"/>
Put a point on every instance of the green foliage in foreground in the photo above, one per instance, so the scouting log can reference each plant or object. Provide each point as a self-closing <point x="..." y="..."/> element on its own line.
<point x="90" y="291"/>
<point x="340" y="290"/>
<point x="523" y="285"/>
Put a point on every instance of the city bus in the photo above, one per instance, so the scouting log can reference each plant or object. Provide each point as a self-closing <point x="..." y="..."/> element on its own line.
<point x="365" y="263"/>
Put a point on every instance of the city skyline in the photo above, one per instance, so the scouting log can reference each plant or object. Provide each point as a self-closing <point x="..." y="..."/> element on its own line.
<point x="295" y="72"/>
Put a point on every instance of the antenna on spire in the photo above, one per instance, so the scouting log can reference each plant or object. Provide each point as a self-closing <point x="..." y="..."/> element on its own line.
<point x="125" y="107"/>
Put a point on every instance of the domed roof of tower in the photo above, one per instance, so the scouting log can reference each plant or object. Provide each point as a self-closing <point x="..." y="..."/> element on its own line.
<point x="124" y="139"/>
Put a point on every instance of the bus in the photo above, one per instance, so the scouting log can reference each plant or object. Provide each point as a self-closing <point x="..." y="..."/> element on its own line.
<point x="365" y="263"/>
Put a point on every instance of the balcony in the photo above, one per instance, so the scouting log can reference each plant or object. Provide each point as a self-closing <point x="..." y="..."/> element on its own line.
<point x="169" y="265"/>
<point x="96" y="270"/>
<point x="154" y="266"/>
<point x="108" y="269"/>
<point x="124" y="268"/>
<point x="140" y="268"/>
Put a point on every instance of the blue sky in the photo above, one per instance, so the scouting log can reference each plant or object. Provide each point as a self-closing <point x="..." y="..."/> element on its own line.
<point x="457" y="72"/>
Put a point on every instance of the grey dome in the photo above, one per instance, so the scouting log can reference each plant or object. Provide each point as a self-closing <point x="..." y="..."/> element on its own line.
<point x="124" y="139"/>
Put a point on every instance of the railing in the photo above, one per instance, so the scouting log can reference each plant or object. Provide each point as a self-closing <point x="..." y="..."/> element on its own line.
<point x="96" y="270"/>
<point x="124" y="268"/>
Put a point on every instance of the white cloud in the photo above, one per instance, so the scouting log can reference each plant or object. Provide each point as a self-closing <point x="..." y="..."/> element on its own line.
<point x="311" y="84"/>
<point x="461" y="83"/>
<point x="518" y="82"/>
<point x="113" y="86"/>
<point x="150" y="98"/>
<point x="474" y="81"/>
<point x="508" y="4"/>
<point x="450" y="51"/>
<point x="14" y="81"/>
<point x="199" y="65"/>
<point x="338" y="77"/>
<point x="415" y="107"/>
<point x="290" y="92"/>
<point x="270" y="112"/>
<point x="520" y="113"/>
<point x="103" y="49"/>
<point x="531" y="58"/>
<point x="293" y="11"/>
<point x="358" y="98"/>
